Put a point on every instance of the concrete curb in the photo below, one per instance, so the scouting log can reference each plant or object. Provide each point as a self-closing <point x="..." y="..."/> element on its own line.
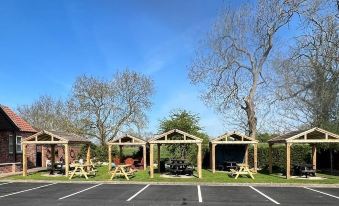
<point x="180" y="183"/>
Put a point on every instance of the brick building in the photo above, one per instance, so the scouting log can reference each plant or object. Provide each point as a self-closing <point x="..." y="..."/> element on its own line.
<point x="12" y="130"/>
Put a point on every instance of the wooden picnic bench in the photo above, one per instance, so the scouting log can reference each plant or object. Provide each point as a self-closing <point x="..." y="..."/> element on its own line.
<point x="242" y="170"/>
<point x="82" y="170"/>
<point x="123" y="170"/>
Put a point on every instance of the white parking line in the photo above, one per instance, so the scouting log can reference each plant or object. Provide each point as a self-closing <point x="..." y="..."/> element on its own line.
<point x="34" y="188"/>
<point x="321" y="192"/>
<point x="61" y="198"/>
<point x="5" y="183"/>
<point x="272" y="200"/>
<point x="199" y="193"/>
<point x="129" y="199"/>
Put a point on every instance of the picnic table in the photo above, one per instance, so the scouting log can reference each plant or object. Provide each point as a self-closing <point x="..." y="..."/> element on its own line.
<point x="123" y="170"/>
<point x="79" y="170"/>
<point x="304" y="169"/>
<point x="242" y="169"/>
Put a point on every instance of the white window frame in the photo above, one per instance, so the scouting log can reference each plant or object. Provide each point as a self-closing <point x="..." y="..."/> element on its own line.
<point x="10" y="144"/>
<point x="18" y="144"/>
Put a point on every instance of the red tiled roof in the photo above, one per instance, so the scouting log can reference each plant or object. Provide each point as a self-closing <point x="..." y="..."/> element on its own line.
<point x="18" y="121"/>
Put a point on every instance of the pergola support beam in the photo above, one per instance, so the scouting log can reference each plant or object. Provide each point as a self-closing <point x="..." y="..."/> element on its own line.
<point x="213" y="157"/>
<point x="66" y="160"/>
<point x="24" y="160"/>
<point x="288" y="160"/>
<point x="151" y="161"/>
<point x="199" y="162"/>
<point x="314" y="156"/>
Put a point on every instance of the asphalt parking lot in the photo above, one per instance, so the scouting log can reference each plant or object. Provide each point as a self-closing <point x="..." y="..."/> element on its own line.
<point x="133" y="194"/>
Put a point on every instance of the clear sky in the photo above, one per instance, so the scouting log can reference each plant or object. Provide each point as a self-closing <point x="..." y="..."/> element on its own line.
<point x="45" y="45"/>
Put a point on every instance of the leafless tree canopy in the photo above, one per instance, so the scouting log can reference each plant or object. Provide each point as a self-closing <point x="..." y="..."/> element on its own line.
<point x="231" y="63"/>
<point x="310" y="72"/>
<point x="47" y="113"/>
<point x="104" y="107"/>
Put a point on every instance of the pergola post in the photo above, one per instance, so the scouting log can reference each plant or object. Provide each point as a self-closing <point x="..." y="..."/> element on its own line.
<point x="288" y="160"/>
<point x="120" y="153"/>
<point x="213" y="157"/>
<point x="88" y="156"/>
<point x="159" y="146"/>
<point x="66" y="160"/>
<point x="109" y="157"/>
<point x="255" y="157"/>
<point x="144" y="156"/>
<point x="314" y="156"/>
<point x="53" y="158"/>
<point x="151" y="163"/>
<point x="246" y="154"/>
<point x="199" y="160"/>
<point x="24" y="160"/>
<point x="270" y="158"/>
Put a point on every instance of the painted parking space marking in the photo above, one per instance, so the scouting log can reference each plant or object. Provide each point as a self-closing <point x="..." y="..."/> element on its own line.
<point x="199" y="193"/>
<point x="5" y="183"/>
<point x="61" y="198"/>
<point x="136" y="194"/>
<point x="34" y="188"/>
<point x="324" y="193"/>
<point x="269" y="198"/>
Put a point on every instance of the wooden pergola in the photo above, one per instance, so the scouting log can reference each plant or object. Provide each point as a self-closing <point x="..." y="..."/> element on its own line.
<point x="234" y="138"/>
<point x="54" y="138"/>
<point x="312" y="136"/>
<point x="166" y="138"/>
<point x="126" y="140"/>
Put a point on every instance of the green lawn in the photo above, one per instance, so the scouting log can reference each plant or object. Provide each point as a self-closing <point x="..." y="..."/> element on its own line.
<point x="218" y="177"/>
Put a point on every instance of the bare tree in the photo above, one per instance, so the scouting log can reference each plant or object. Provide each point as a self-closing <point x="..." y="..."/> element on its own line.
<point x="47" y="113"/>
<point x="231" y="65"/>
<point x="310" y="72"/>
<point x="104" y="107"/>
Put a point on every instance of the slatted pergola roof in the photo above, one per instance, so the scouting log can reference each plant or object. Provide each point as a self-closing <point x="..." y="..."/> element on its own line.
<point x="55" y="137"/>
<point x="314" y="135"/>
<point x="127" y="139"/>
<point x="233" y="138"/>
<point x="310" y="136"/>
<point x="167" y="138"/>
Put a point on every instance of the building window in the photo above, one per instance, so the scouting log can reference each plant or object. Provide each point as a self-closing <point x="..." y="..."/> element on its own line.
<point x="10" y="144"/>
<point x="18" y="144"/>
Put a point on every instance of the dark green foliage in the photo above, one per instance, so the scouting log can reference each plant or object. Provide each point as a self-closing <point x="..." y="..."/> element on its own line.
<point x="100" y="153"/>
<point x="299" y="154"/>
<point x="187" y="122"/>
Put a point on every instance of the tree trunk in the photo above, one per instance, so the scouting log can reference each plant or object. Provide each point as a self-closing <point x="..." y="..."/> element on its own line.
<point x="251" y="118"/>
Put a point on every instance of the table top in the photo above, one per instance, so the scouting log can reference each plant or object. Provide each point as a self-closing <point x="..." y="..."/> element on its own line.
<point x="242" y="165"/>
<point x="125" y="165"/>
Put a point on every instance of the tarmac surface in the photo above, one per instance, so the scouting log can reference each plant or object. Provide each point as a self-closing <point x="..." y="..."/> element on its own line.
<point x="75" y="194"/>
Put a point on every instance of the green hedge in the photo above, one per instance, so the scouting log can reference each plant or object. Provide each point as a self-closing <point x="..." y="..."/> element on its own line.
<point x="299" y="154"/>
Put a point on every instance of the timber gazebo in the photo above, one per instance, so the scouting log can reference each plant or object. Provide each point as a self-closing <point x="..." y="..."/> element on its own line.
<point x="167" y="138"/>
<point x="234" y="138"/>
<point x="312" y="136"/>
<point x="54" y="138"/>
<point x="126" y="140"/>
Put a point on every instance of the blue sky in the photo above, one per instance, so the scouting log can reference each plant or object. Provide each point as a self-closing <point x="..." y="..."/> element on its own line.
<point x="45" y="45"/>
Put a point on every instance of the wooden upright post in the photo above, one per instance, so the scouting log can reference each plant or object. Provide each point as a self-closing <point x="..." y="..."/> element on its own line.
<point x="151" y="166"/>
<point x="288" y="160"/>
<point x="255" y="157"/>
<point x="246" y="154"/>
<point x="159" y="145"/>
<point x="109" y="157"/>
<point x="199" y="161"/>
<point x="144" y="156"/>
<point x="314" y="156"/>
<point x="24" y="160"/>
<point x="53" y="157"/>
<point x="213" y="157"/>
<point x="66" y="160"/>
<point x="88" y="156"/>
<point x="270" y="158"/>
